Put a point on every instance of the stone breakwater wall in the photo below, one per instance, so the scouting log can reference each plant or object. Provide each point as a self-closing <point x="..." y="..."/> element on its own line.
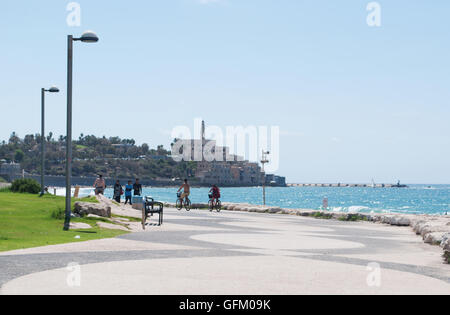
<point x="435" y="230"/>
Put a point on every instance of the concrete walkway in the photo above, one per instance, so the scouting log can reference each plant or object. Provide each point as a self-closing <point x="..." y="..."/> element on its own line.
<point x="232" y="253"/>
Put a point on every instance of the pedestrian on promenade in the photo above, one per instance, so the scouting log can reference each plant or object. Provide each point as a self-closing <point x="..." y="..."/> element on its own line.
<point x="137" y="187"/>
<point x="128" y="191"/>
<point x="118" y="191"/>
<point x="99" y="185"/>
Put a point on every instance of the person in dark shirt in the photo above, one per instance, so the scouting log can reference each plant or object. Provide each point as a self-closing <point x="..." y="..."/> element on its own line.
<point x="118" y="191"/>
<point x="137" y="187"/>
<point x="215" y="191"/>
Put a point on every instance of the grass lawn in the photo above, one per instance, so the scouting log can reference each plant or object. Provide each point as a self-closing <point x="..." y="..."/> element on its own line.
<point x="28" y="221"/>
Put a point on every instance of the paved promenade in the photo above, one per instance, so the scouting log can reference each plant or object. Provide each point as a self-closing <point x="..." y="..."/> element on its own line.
<point x="235" y="253"/>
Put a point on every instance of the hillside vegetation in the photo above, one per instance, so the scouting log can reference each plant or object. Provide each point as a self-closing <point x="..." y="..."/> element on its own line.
<point x="113" y="157"/>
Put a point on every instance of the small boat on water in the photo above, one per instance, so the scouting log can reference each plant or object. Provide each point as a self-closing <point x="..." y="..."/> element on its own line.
<point x="399" y="185"/>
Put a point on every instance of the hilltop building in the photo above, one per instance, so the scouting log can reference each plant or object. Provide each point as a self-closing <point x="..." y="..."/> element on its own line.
<point x="10" y="171"/>
<point x="222" y="168"/>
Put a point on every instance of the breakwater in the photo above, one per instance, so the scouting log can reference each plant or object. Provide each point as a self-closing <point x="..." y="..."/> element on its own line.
<point x="348" y="185"/>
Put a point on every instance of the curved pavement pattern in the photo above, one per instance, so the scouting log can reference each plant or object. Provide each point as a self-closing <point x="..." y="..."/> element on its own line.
<point x="234" y="253"/>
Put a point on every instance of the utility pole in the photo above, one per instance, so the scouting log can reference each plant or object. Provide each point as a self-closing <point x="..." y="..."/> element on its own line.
<point x="264" y="161"/>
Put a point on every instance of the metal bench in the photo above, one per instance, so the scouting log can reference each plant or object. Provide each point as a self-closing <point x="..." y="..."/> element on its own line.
<point x="152" y="207"/>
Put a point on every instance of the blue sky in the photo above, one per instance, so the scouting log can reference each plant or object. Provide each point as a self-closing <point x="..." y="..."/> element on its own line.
<point x="353" y="102"/>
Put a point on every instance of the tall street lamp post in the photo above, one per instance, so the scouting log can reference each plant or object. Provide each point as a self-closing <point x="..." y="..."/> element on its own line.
<point x="87" y="37"/>
<point x="53" y="89"/>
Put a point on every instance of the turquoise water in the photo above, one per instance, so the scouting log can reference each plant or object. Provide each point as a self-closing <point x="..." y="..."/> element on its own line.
<point x="416" y="199"/>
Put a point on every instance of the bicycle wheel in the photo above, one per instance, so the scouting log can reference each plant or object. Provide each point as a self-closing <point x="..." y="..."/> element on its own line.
<point x="218" y="206"/>
<point x="187" y="204"/>
<point x="179" y="205"/>
<point x="211" y="205"/>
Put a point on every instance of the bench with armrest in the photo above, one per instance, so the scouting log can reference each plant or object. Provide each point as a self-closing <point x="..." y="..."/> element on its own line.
<point x="152" y="207"/>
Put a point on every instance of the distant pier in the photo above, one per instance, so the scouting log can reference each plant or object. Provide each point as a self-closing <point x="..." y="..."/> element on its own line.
<point x="345" y="185"/>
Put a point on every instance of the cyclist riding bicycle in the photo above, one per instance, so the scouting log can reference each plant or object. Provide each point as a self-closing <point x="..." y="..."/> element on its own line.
<point x="215" y="191"/>
<point x="186" y="191"/>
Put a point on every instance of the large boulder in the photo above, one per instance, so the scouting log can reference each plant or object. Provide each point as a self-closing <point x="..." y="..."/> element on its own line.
<point x="400" y="221"/>
<point x="428" y="226"/>
<point x="86" y="208"/>
<point x="274" y="210"/>
<point x="434" y="238"/>
<point x="445" y="243"/>
<point x="434" y="229"/>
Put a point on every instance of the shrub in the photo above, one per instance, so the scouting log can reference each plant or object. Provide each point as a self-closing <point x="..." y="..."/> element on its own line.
<point x="322" y="215"/>
<point x="58" y="214"/>
<point x="26" y="185"/>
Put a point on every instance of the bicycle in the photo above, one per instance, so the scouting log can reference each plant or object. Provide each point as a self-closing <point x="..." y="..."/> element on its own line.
<point x="186" y="202"/>
<point x="214" y="205"/>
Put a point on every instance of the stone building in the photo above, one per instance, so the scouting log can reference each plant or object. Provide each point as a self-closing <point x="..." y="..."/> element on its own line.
<point x="10" y="171"/>
<point x="215" y="164"/>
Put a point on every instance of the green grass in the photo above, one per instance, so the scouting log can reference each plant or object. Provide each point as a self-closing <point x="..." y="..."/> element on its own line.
<point x="90" y="199"/>
<point x="321" y="215"/>
<point x="131" y="219"/>
<point x="353" y="218"/>
<point x="5" y="189"/>
<point x="30" y="221"/>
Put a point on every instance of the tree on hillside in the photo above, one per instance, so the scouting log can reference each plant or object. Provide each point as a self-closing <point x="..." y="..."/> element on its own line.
<point x="19" y="156"/>
<point x="14" y="139"/>
<point x="145" y="148"/>
<point x="50" y="137"/>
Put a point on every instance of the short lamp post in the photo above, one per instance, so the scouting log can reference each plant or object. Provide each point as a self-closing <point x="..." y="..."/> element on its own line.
<point x="264" y="161"/>
<point x="53" y="89"/>
<point x="87" y="37"/>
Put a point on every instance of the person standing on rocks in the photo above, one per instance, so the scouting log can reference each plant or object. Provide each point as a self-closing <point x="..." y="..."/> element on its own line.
<point x="99" y="185"/>
<point x="137" y="187"/>
<point x="118" y="191"/>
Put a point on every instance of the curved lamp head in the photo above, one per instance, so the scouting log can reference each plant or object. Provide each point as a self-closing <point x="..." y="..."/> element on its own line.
<point x="89" y="37"/>
<point x="53" y="89"/>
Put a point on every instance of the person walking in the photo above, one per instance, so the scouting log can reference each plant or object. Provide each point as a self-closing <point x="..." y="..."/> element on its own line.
<point x="137" y="187"/>
<point x="128" y="191"/>
<point x="118" y="191"/>
<point x="99" y="185"/>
